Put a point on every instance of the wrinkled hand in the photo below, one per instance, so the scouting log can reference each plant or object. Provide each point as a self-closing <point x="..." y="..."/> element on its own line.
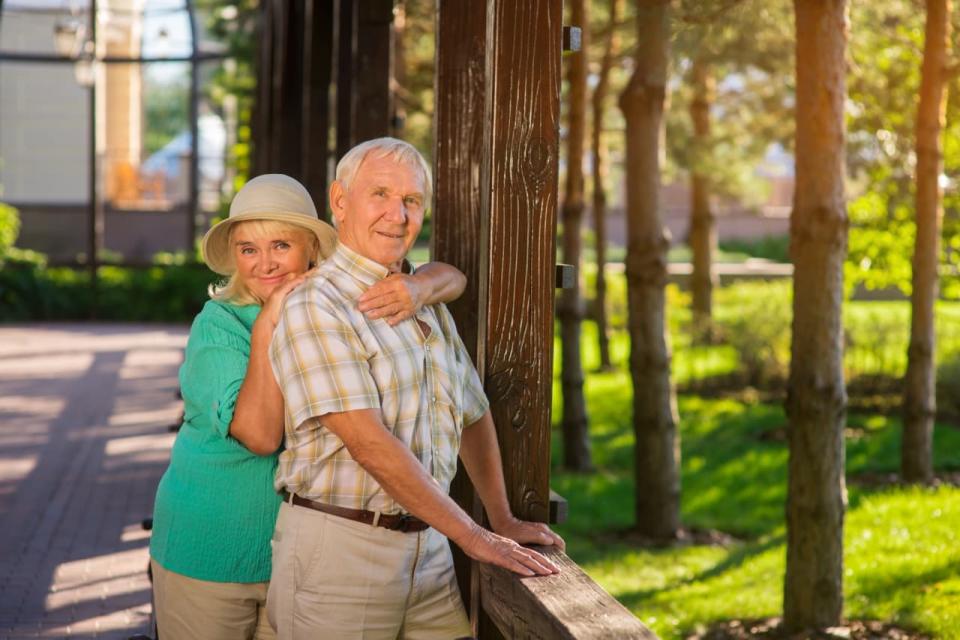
<point x="530" y="533"/>
<point x="395" y="298"/>
<point x="487" y="546"/>
<point x="272" y="306"/>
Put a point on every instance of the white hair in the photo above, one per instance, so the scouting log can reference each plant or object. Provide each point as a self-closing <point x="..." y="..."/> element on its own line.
<point x="397" y="150"/>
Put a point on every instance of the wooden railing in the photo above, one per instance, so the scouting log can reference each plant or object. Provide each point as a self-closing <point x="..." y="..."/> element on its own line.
<point x="564" y="606"/>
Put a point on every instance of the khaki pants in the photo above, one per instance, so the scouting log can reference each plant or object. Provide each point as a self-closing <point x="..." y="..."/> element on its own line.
<point x="340" y="579"/>
<point x="189" y="609"/>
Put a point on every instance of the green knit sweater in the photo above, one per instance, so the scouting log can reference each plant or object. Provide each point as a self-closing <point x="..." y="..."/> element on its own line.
<point x="216" y="506"/>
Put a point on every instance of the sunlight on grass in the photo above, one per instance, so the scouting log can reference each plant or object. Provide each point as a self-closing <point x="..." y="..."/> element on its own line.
<point x="902" y="546"/>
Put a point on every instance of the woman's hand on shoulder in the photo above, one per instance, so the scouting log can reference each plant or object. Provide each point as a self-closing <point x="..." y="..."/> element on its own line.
<point x="270" y="311"/>
<point x="397" y="297"/>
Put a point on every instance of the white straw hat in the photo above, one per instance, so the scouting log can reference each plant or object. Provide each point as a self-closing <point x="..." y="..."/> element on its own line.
<point x="272" y="196"/>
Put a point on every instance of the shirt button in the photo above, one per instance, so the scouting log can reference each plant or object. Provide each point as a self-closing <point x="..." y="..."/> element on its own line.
<point x="428" y="347"/>
<point x="434" y="399"/>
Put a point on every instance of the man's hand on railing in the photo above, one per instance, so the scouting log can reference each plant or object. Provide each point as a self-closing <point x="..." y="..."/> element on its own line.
<point x="487" y="546"/>
<point x="529" y="533"/>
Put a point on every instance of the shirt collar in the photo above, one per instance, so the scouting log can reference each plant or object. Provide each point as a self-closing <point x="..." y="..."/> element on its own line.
<point x="359" y="267"/>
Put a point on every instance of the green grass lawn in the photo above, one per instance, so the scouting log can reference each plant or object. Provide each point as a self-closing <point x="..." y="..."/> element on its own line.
<point x="902" y="552"/>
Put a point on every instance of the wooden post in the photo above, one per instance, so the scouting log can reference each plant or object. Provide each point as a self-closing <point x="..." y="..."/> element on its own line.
<point x="457" y="238"/>
<point x="495" y="218"/>
<point x="317" y="72"/>
<point x="518" y="196"/>
<point x="374" y="54"/>
<point x="288" y="88"/>
<point x="346" y="71"/>
<point x="292" y="111"/>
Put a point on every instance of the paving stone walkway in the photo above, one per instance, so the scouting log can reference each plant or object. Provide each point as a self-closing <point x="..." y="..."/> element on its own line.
<point x="84" y="439"/>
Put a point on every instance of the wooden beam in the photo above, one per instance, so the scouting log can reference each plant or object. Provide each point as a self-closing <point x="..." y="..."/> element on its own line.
<point x="567" y="605"/>
<point x="288" y="89"/>
<point x="317" y="72"/>
<point x="262" y="120"/>
<point x="518" y="192"/>
<point x="457" y="237"/>
<point x="374" y="54"/>
<point x="346" y="37"/>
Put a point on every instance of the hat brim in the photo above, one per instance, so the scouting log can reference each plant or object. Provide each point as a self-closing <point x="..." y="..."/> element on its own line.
<point x="216" y="242"/>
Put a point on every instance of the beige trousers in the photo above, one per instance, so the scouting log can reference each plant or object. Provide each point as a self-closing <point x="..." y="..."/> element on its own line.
<point x="189" y="609"/>
<point x="340" y="579"/>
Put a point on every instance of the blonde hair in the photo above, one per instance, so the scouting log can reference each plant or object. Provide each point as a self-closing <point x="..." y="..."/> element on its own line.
<point x="234" y="290"/>
<point x="397" y="150"/>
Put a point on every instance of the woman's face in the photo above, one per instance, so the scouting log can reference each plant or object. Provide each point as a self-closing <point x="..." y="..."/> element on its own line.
<point x="264" y="262"/>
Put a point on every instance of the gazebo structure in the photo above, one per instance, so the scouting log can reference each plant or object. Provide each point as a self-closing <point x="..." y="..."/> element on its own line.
<point x="89" y="163"/>
<point x="325" y="65"/>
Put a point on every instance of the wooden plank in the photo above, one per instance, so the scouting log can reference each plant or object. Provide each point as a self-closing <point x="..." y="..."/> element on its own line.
<point x="346" y="70"/>
<point x="261" y="120"/>
<point x="519" y="195"/>
<point x="317" y="72"/>
<point x="566" y="605"/>
<point x="288" y="89"/>
<point x="456" y="237"/>
<point x="374" y="54"/>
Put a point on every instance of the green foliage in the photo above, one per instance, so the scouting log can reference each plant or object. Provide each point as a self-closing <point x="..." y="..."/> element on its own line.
<point x="745" y="45"/>
<point x="901" y="544"/>
<point x="29" y="291"/>
<point x="235" y="24"/>
<point x="9" y="228"/>
<point x="166" y="109"/>
<point x="755" y="318"/>
<point x="774" y="248"/>
<point x="948" y="386"/>
<point x="886" y="51"/>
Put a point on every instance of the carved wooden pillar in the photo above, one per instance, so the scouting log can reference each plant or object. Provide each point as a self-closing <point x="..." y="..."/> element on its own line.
<point x="518" y="195"/>
<point x="456" y="238"/>
<point x="498" y="108"/>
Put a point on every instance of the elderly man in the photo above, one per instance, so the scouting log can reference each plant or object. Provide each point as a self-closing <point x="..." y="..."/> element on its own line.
<point x="377" y="412"/>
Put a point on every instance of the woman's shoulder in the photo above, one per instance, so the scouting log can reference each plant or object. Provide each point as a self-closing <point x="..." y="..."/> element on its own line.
<point x="218" y="316"/>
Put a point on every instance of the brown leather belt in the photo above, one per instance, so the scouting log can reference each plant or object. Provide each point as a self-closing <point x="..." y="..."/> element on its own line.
<point x="404" y="522"/>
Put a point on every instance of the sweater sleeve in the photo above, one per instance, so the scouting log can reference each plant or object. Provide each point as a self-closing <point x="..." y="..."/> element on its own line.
<point x="215" y="365"/>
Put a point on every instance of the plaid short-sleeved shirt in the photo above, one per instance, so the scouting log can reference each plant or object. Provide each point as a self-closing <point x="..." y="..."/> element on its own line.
<point x="328" y="357"/>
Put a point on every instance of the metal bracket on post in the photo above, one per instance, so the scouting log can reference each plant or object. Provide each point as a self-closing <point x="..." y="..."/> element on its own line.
<point x="571" y="39"/>
<point x="566" y="275"/>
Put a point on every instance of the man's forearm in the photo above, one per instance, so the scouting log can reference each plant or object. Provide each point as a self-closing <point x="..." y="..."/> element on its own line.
<point x="441" y="282"/>
<point x="400" y="474"/>
<point x="480" y="453"/>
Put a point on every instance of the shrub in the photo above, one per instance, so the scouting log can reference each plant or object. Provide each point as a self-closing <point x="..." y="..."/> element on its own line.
<point x="948" y="387"/>
<point x="775" y="248"/>
<point x="754" y="318"/>
<point x="9" y="228"/>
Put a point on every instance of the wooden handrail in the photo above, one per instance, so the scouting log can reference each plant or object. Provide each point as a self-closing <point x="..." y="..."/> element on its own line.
<point x="568" y="605"/>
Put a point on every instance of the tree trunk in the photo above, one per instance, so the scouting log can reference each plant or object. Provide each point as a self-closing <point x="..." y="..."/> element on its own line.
<point x="599" y="152"/>
<point x="657" y="453"/>
<point x="816" y="396"/>
<point x="576" y="436"/>
<point x="919" y="398"/>
<point x="703" y="232"/>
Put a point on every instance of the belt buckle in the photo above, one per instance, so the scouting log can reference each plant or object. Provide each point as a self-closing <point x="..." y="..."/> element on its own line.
<point x="403" y="523"/>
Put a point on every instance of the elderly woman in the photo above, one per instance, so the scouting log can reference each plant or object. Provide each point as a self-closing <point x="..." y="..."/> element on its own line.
<point x="215" y="506"/>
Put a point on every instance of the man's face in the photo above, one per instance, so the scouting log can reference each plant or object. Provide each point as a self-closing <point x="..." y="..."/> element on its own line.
<point x="381" y="213"/>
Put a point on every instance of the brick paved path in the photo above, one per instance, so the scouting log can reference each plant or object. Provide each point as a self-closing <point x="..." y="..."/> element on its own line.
<point x="84" y="438"/>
